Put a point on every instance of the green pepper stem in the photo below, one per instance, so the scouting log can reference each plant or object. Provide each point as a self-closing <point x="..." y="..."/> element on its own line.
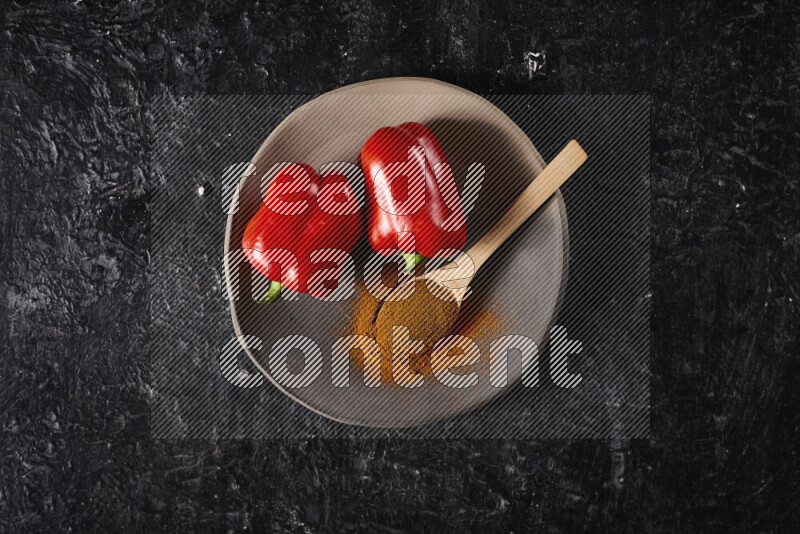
<point x="273" y="293"/>
<point x="412" y="259"/>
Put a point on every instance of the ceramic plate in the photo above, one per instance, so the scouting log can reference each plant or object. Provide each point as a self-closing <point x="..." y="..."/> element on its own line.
<point x="522" y="283"/>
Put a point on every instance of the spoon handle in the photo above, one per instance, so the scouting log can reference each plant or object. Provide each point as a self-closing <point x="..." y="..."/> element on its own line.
<point x="543" y="186"/>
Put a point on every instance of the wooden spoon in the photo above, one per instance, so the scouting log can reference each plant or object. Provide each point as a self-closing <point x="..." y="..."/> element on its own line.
<point x="450" y="282"/>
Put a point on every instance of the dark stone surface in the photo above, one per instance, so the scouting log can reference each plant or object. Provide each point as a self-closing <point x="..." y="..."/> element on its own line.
<point x="74" y="186"/>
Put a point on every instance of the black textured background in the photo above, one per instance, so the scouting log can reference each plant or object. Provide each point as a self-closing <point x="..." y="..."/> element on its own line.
<point x="74" y="186"/>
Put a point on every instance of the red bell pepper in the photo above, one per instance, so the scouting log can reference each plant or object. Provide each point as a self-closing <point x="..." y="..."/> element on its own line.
<point x="302" y="218"/>
<point x="410" y="188"/>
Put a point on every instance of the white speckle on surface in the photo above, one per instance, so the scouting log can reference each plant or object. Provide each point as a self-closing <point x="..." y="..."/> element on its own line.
<point x="535" y="63"/>
<point x="201" y="191"/>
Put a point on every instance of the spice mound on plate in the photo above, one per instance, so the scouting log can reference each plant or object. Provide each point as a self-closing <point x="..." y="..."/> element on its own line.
<point x="427" y="317"/>
<point x="482" y="323"/>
